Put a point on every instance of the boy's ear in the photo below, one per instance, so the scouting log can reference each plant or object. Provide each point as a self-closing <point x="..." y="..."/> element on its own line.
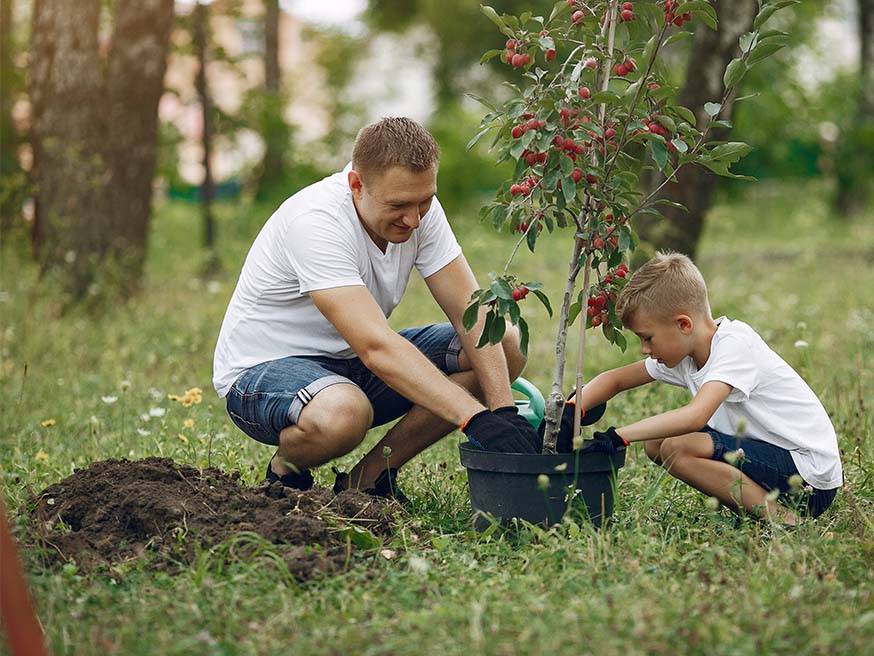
<point x="684" y="323"/>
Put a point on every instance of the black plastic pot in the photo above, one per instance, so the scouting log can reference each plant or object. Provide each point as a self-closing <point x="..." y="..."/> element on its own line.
<point x="506" y="486"/>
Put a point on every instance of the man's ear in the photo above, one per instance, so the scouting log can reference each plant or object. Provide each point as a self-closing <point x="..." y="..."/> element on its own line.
<point x="684" y="323"/>
<point x="355" y="183"/>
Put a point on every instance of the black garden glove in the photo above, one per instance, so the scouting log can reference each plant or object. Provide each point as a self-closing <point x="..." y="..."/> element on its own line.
<point x="565" y="442"/>
<point x="510" y="413"/>
<point x="608" y="440"/>
<point x="489" y="432"/>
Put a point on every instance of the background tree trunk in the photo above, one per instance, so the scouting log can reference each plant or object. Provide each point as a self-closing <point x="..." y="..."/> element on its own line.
<point x="853" y="164"/>
<point x="135" y="82"/>
<point x="711" y="52"/>
<point x="207" y="188"/>
<point x="273" y="177"/>
<point x="70" y="228"/>
<point x="13" y="180"/>
<point x="94" y="138"/>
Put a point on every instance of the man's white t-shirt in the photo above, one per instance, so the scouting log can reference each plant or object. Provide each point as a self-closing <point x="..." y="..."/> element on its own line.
<point x="769" y="400"/>
<point x="315" y="241"/>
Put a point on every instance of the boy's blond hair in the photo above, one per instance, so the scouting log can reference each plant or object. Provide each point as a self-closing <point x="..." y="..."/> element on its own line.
<point x="394" y="141"/>
<point x="667" y="285"/>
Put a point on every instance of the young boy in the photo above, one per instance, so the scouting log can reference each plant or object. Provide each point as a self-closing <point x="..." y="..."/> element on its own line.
<point x="753" y="425"/>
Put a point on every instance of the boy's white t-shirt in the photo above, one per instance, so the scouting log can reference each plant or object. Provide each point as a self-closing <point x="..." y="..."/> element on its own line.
<point x="315" y="241"/>
<point x="769" y="400"/>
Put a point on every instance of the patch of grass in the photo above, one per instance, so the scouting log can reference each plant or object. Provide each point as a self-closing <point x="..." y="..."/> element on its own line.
<point x="669" y="576"/>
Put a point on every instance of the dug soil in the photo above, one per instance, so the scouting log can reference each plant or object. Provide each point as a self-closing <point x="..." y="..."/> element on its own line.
<point x="116" y="511"/>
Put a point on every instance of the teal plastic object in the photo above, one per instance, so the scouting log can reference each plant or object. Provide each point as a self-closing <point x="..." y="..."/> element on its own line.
<point x="532" y="407"/>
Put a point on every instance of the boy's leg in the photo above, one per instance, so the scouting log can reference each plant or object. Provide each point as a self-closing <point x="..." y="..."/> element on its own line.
<point x="653" y="450"/>
<point x="688" y="457"/>
<point x="419" y="428"/>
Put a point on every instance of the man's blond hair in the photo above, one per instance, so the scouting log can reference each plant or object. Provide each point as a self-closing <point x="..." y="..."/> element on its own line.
<point x="394" y="141"/>
<point x="667" y="285"/>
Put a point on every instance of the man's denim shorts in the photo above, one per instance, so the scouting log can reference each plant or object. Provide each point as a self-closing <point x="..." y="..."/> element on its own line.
<point x="771" y="467"/>
<point x="270" y="396"/>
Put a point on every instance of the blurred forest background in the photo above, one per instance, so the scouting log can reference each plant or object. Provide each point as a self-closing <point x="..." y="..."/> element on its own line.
<point x="111" y="108"/>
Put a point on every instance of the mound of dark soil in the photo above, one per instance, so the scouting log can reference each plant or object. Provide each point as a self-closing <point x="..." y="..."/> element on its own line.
<point x="118" y="510"/>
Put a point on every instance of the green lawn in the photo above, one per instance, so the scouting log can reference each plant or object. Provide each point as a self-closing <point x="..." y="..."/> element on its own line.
<point x="670" y="576"/>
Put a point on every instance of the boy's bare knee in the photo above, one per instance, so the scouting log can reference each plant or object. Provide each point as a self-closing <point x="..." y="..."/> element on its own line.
<point x="652" y="448"/>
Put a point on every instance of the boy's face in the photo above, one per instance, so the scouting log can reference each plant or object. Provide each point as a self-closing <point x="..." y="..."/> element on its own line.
<point x="667" y="340"/>
<point x="392" y="204"/>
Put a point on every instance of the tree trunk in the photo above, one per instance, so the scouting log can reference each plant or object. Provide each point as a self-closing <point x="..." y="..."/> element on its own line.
<point x="853" y="162"/>
<point x="12" y="178"/>
<point x="711" y="52"/>
<point x="207" y="188"/>
<point x="275" y="132"/>
<point x="94" y="138"/>
<point x="70" y="228"/>
<point x="135" y="83"/>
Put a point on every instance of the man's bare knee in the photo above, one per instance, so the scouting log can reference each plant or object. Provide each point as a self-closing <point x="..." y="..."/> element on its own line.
<point x="336" y="420"/>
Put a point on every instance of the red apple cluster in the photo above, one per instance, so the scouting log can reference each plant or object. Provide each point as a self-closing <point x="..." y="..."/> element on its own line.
<point x="524" y="186"/>
<point x="520" y="292"/>
<point x="627" y="13"/>
<point x="596" y="306"/>
<point x="624" y="68"/>
<point x="530" y="123"/>
<point x="672" y="17"/>
<point x="514" y="58"/>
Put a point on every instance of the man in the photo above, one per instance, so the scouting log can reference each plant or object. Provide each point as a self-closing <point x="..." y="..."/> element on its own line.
<point x="306" y="357"/>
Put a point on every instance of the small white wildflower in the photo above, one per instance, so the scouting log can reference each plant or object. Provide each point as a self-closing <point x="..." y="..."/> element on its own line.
<point x="808" y="489"/>
<point x="801" y="344"/>
<point x="740" y="454"/>
<point x="419" y="565"/>
<point x="560" y="467"/>
<point x="70" y="256"/>
<point x="711" y="503"/>
<point x="795" y="481"/>
<point x="109" y="400"/>
<point x="801" y="325"/>
<point x="156" y="393"/>
<point x="143" y="432"/>
<point x="388" y="554"/>
<point x="157" y="412"/>
<point x="730" y="457"/>
<point x="773" y="494"/>
<point x="145" y="416"/>
<point x="94" y="421"/>
<point x="213" y="287"/>
<point x="124" y="385"/>
<point x="543" y="482"/>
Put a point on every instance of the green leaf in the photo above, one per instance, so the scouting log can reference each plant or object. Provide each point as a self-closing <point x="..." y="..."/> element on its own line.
<point x="471" y="314"/>
<point x="734" y="72"/>
<point x="679" y="36"/>
<point x="768" y="11"/>
<point x="493" y="16"/>
<point x="606" y="97"/>
<point x="680" y="145"/>
<point x="659" y="153"/>
<point x="567" y="165"/>
<point x="763" y="50"/>
<point x="650" y="47"/>
<point x="477" y="137"/>
<point x="523" y="336"/>
<point x="487" y="328"/>
<point x="729" y="152"/>
<point x="496" y="333"/>
<point x="502" y="289"/>
<point x="360" y="537"/>
<point x="558" y="9"/>
<point x="490" y="54"/>
<point x="543" y="299"/>
<point x="573" y="313"/>
<point x="620" y="341"/>
<point x="568" y="189"/>
<point x="687" y="114"/>
<point x="748" y="41"/>
<point x="711" y="108"/>
<point x="668" y="122"/>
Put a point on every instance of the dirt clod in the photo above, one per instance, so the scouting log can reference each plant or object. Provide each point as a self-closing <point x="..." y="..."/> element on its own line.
<point x="118" y="510"/>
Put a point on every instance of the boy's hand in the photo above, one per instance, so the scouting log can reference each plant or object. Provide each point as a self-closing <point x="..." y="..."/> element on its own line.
<point x="487" y="431"/>
<point x="610" y="435"/>
<point x="565" y="442"/>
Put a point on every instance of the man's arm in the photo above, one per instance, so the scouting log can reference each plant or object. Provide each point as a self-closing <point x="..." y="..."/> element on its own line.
<point x="452" y="287"/>
<point x="688" y="419"/>
<point x="360" y="321"/>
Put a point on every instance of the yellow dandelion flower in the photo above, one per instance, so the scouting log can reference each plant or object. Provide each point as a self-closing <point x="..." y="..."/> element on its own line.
<point x="182" y="438"/>
<point x="45" y="423"/>
<point x="42" y="456"/>
<point x="200" y="439"/>
<point x="173" y="397"/>
<point x="188" y="423"/>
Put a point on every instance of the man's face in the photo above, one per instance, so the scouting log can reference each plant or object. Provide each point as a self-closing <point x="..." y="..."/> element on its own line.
<point x="664" y="339"/>
<point x="391" y="205"/>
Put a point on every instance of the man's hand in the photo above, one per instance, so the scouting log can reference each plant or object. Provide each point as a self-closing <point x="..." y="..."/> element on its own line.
<point x="487" y="431"/>
<point x="565" y="442"/>
<point x="511" y="414"/>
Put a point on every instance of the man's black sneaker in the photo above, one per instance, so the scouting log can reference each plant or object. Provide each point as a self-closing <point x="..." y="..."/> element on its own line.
<point x="302" y="480"/>
<point x="385" y="485"/>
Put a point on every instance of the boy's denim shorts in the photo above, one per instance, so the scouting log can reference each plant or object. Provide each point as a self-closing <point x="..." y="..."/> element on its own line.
<point x="771" y="467"/>
<point x="270" y="396"/>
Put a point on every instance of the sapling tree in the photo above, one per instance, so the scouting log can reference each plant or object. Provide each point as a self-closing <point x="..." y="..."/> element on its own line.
<point x="591" y="110"/>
